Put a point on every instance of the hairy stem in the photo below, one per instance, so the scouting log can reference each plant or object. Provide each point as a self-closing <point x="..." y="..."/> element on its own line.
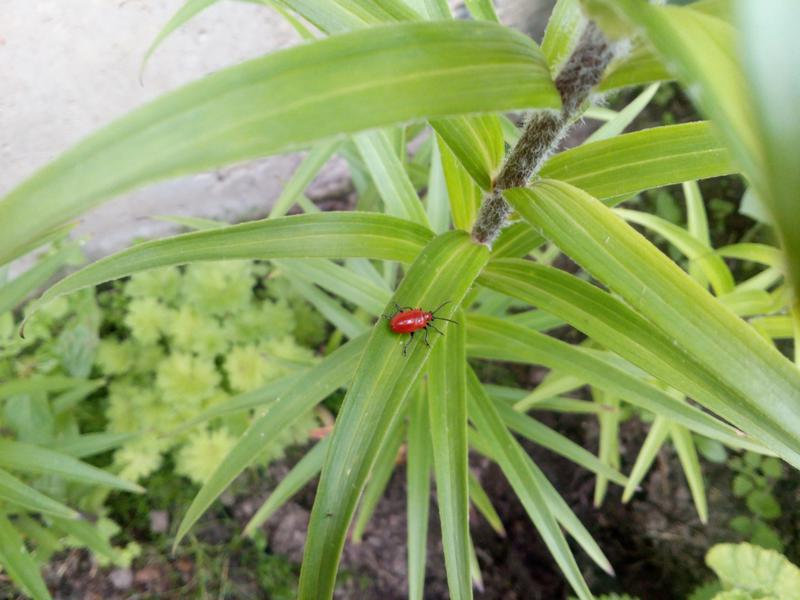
<point x="544" y="130"/>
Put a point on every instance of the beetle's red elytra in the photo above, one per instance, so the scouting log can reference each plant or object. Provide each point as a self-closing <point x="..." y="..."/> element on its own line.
<point x="410" y="320"/>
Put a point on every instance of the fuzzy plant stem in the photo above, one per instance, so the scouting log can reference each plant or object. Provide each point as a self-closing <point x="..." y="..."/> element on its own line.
<point x="544" y="130"/>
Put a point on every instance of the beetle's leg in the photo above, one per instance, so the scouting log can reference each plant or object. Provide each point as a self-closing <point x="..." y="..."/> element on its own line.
<point x="436" y="329"/>
<point x="405" y="346"/>
<point x="426" y="338"/>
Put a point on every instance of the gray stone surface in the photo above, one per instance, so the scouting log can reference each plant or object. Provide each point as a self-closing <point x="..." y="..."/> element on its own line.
<point x="69" y="67"/>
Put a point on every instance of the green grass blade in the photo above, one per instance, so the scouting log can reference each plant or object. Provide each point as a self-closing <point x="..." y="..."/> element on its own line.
<point x="480" y="500"/>
<point x="697" y="224"/>
<point x="763" y="387"/>
<point x="624" y="117"/>
<point x="713" y="267"/>
<point x="385" y="463"/>
<point x="184" y="15"/>
<point x="476" y="142"/>
<point x="286" y="101"/>
<point x="658" y="434"/>
<point x="443" y="272"/>
<point x="552" y="440"/>
<point x="516" y="240"/>
<point x="437" y="201"/>
<point x="515" y="466"/>
<point x="553" y="384"/>
<point x="463" y="193"/>
<point x="759" y="253"/>
<point x="16" y="290"/>
<point x="495" y="339"/>
<point x="562" y="33"/>
<point x="53" y="383"/>
<point x="387" y="171"/>
<point x="304" y="471"/>
<point x="447" y="405"/>
<point x="482" y="10"/>
<point x="343" y="360"/>
<point x="418" y="477"/>
<point x="18" y="563"/>
<point x="325" y="235"/>
<point x="323" y="379"/>
<point x="15" y="492"/>
<point x="88" y="535"/>
<point x="640" y="66"/>
<point x="89" y="444"/>
<point x="608" y="450"/>
<point x="330" y="308"/>
<point x="303" y="176"/>
<point x="19" y="456"/>
<point x="687" y="454"/>
<point x="342" y="281"/>
<point x="643" y="160"/>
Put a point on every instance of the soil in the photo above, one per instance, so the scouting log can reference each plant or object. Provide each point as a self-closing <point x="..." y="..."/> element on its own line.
<point x="655" y="543"/>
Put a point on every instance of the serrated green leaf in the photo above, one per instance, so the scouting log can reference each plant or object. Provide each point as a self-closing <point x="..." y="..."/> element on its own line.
<point x="18" y="563"/>
<point x="752" y="568"/>
<point x="447" y="406"/>
<point x="443" y="272"/>
<point x="762" y="388"/>
<point x="763" y="504"/>
<point x="282" y="102"/>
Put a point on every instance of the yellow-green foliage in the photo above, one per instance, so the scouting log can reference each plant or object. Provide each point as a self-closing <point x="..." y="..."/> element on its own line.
<point x="186" y="340"/>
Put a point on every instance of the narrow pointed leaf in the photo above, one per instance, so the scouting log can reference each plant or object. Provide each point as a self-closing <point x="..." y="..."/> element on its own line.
<point x="690" y="462"/>
<point x="283" y="102"/>
<point x="18" y="563"/>
<point x="184" y="15"/>
<point x="476" y="142"/>
<point x="480" y="500"/>
<point x="764" y="387"/>
<point x="552" y="440"/>
<point x="463" y="192"/>
<point x="562" y="33"/>
<point x="390" y="177"/>
<point x="382" y="470"/>
<point x="328" y="235"/>
<point x="447" y="404"/>
<point x="658" y="434"/>
<point x="272" y="419"/>
<point x="303" y="176"/>
<point x="444" y="271"/>
<point x="90" y="444"/>
<point x="304" y="471"/>
<point x="608" y="450"/>
<point x="625" y="117"/>
<point x="418" y="474"/>
<point x="629" y="163"/>
<point x="513" y="461"/>
<point x="20" y="456"/>
<point x="15" y="492"/>
<point x="495" y="339"/>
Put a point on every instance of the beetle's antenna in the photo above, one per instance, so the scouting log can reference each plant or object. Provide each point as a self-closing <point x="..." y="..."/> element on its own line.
<point x="443" y="319"/>
<point x="433" y="312"/>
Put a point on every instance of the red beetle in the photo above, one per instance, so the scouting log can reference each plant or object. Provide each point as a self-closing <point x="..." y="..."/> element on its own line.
<point x="410" y="320"/>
